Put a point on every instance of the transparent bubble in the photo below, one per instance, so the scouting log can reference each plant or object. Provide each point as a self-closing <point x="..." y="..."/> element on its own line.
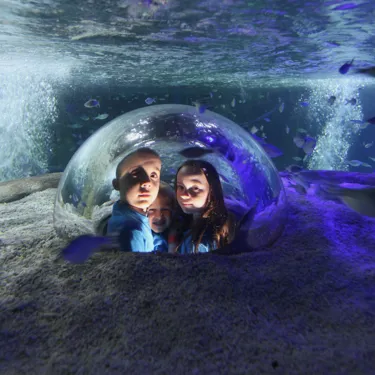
<point x="83" y="201"/>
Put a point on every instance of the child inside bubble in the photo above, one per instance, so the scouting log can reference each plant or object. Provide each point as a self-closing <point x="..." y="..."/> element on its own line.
<point x="160" y="215"/>
<point x="137" y="180"/>
<point x="208" y="224"/>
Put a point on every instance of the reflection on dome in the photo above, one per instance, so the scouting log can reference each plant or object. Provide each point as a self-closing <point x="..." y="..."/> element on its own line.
<point x="247" y="174"/>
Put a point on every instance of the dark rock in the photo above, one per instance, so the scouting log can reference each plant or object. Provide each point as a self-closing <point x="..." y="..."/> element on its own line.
<point x="14" y="190"/>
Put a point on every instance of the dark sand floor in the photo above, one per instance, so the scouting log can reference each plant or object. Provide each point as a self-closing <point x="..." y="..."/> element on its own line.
<point x="306" y="305"/>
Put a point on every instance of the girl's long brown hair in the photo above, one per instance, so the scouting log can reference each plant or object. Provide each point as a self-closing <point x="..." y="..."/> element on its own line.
<point x="215" y="219"/>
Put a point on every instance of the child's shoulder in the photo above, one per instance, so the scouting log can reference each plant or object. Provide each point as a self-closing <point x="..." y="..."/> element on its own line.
<point x="124" y="210"/>
<point x="123" y="215"/>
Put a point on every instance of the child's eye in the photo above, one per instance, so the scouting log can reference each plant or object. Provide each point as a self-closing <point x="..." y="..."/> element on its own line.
<point x="154" y="175"/>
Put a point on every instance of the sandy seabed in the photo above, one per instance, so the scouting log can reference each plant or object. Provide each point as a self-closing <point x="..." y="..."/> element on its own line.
<point x="305" y="305"/>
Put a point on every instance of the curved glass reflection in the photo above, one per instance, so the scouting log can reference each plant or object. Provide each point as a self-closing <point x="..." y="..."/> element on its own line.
<point x="247" y="174"/>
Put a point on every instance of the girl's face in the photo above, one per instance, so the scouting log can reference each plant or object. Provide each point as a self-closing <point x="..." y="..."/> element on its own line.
<point x="192" y="190"/>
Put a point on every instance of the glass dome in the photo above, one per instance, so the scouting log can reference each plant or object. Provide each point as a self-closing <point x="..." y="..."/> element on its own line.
<point x="85" y="193"/>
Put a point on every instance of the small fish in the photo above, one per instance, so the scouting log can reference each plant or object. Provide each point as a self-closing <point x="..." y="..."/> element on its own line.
<point x="346" y="7"/>
<point x="287" y="130"/>
<point x="281" y="107"/>
<point x="371" y="121"/>
<point x="267" y="119"/>
<point x="149" y="101"/>
<point x="103" y="116"/>
<point x="92" y="103"/>
<point x="271" y="150"/>
<point x="300" y="130"/>
<point x="266" y="114"/>
<point x="304" y="104"/>
<point x="364" y="125"/>
<point x="345" y="68"/>
<point x="233" y="102"/>
<point x="357" y="121"/>
<point x="75" y="126"/>
<point x="260" y="140"/>
<point x="368" y="145"/>
<point x="299" y="140"/>
<point x="366" y="165"/>
<point x="211" y="95"/>
<point x="84" y="117"/>
<point x="356" y="163"/>
<point x="367" y="71"/>
<point x="352" y="101"/>
<point x="309" y="145"/>
<point x="195" y="152"/>
<point x="201" y="108"/>
<point x="81" y="248"/>
<point x="253" y="130"/>
<point x="373" y="159"/>
<point x="296" y="158"/>
<point x="332" y="100"/>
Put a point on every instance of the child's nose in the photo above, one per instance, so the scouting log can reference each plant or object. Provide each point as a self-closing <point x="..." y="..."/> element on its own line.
<point x="145" y="181"/>
<point x="185" y="194"/>
<point x="144" y="178"/>
<point x="146" y="184"/>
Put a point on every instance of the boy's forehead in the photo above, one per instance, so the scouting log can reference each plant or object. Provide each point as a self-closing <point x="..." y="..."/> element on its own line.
<point x="141" y="160"/>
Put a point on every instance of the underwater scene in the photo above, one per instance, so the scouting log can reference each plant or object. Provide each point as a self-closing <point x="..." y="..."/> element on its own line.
<point x="272" y="67"/>
<point x="277" y="96"/>
<point x="278" y="116"/>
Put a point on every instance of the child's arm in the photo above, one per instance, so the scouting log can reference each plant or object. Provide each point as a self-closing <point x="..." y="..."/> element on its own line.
<point x="131" y="238"/>
<point x="129" y="235"/>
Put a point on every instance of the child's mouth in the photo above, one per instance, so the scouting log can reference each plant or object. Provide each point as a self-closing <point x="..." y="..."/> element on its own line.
<point x="159" y="223"/>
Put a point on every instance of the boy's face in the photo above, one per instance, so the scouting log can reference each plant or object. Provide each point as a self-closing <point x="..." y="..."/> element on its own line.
<point x="192" y="190"/>
<point x="139" y="180"/>
<point x="160" y="214"/>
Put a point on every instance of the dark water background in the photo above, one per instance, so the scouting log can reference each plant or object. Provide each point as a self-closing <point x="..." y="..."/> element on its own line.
<point x="117" y="100"/>
<point x="55" y="55"/>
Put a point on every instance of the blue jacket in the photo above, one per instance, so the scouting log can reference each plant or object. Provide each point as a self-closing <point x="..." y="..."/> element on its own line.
<point x="161" y="241"/>
<point x="134" y="229"/>
<point x="187" y="246"/>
